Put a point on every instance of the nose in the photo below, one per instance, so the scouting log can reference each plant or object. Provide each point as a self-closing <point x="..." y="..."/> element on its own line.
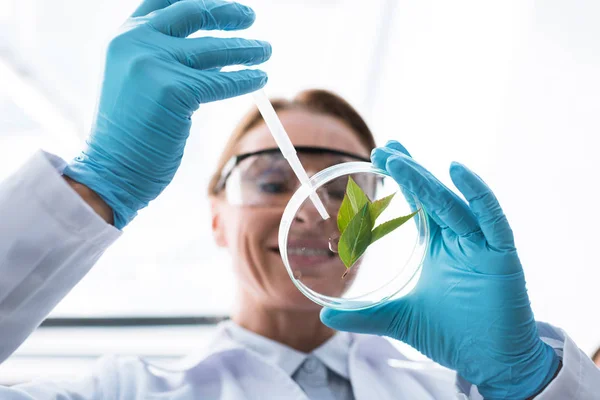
<point x="308" y="215"/>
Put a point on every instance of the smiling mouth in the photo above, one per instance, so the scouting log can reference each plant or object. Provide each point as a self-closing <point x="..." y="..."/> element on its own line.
<point x="306" y="252"/>
<point x="309" y="252"/>
<point x="306" y="261"/>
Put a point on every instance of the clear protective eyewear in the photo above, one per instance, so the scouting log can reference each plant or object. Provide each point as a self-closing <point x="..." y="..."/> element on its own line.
<point x="264" y="178"/>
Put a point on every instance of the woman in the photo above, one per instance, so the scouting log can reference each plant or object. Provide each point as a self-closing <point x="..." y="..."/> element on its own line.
<point x="470" y="311"/>
<point x="326" y="131"/>
<point x="249" y="191"/>
<point x="275" y="345"/>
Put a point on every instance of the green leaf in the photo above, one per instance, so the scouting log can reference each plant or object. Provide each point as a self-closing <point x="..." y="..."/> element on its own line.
<point x="345" y="214"/>
<point x="355" y="194"/>
<point x="389" y="226"/>
<point x="356" y="237"/>
<point x="353" y="201"/>
<point x="379" y="206"/>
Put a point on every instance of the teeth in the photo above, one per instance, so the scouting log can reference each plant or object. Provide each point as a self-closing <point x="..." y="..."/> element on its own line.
<point x="303" y="251"/>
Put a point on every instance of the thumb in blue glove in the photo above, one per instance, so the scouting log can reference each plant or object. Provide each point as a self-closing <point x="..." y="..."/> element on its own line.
<point x="155" y="79"/>
<point x="469" y="311"/>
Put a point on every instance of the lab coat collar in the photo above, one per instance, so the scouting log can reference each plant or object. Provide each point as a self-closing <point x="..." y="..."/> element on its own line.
<point x="274" y="352"/>
<point x="333" y="353"/>
<point x="230" y="337"/>
<point x="366" y="362"/>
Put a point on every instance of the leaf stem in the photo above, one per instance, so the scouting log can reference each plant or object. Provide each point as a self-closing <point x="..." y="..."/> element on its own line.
<point x="346" y="272"/>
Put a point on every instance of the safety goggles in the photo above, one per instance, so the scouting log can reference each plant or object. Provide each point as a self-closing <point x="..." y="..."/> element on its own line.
<point x="264" y="178"/>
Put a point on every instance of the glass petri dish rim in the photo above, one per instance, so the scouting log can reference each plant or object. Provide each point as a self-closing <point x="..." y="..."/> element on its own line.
<point x="396" y="286"/>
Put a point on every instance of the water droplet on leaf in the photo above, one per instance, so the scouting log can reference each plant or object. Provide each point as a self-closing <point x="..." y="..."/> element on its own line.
<point x="334" y="241"/>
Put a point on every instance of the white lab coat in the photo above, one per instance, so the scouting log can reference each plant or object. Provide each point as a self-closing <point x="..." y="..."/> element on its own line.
<point x="50" y="239"/>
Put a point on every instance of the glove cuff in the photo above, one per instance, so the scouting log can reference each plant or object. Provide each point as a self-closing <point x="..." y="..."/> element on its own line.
<point x="101" y="181"/>
<point x="528" y="380"/>
<point x="549" y="371"/>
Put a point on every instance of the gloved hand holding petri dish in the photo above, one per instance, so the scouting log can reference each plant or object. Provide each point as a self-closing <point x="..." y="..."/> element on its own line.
<point x="350" y="236"/>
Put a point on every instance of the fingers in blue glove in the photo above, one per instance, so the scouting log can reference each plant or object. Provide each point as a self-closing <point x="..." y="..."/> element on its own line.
<point x="485" y="207"/>
<point x="183" y="18"/>
<point x="380" y="155"/>
<point x="397" y="146"/>
<point x="379" y="158"/>
<point x="215" y="85"/>
<point x="372" y="321"/>
<point x="443" y="205"/>
<point x="208" y="52"/>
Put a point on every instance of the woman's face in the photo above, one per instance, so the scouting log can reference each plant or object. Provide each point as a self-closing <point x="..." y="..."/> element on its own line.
<point x="250" y="233"/>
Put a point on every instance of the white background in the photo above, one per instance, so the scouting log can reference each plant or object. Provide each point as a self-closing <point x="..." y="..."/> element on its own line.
<point x="511" y="89"/>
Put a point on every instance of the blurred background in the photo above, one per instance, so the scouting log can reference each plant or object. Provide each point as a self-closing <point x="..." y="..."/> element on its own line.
<point x="511" y="89"/>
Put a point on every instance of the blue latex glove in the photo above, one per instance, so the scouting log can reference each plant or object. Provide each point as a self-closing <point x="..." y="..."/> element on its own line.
<point x="154" y="80"/>
<point x="469" y="311"/>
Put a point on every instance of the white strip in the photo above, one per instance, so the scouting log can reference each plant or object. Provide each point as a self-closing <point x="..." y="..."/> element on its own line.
<point x="285" y="145"/>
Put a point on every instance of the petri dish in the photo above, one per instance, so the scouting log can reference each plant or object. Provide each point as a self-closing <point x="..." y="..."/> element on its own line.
<point x="331" y="266"/>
